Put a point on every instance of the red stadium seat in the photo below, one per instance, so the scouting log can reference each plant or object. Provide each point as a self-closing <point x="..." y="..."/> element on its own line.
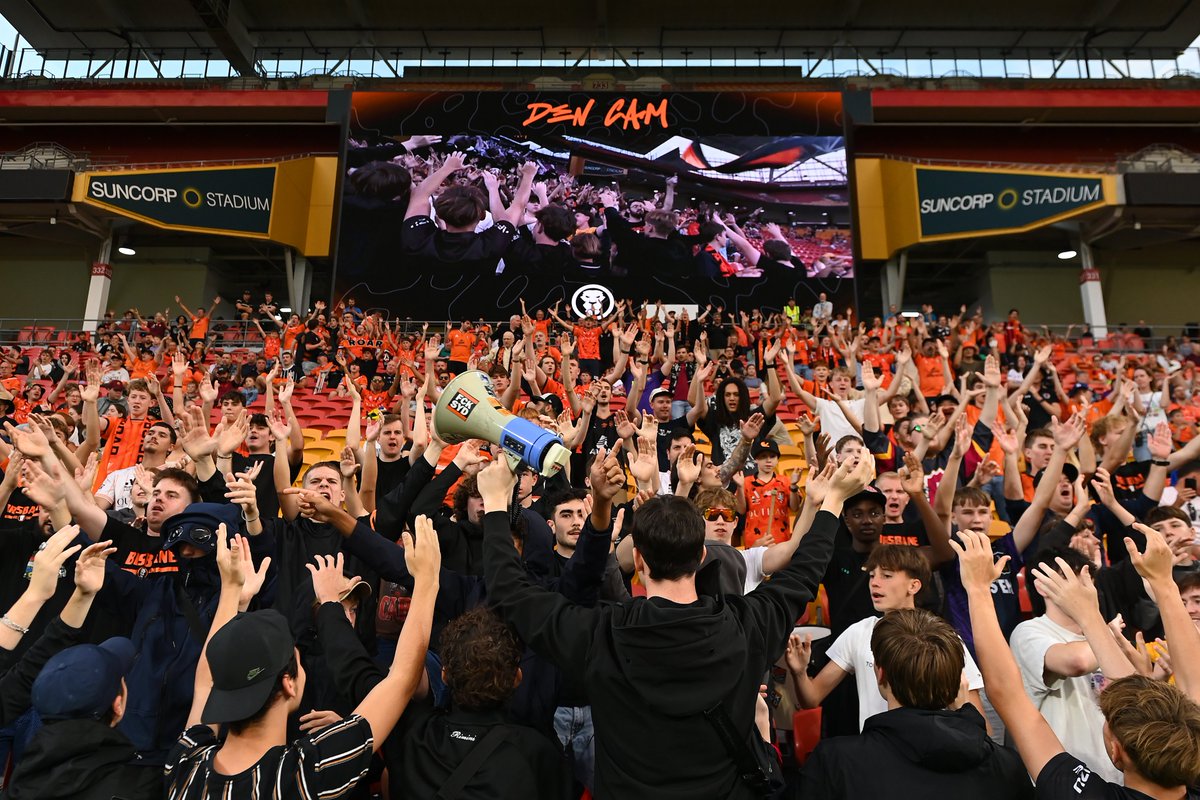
<point x="806" y="732"/>
<point x="1023" y="596"/>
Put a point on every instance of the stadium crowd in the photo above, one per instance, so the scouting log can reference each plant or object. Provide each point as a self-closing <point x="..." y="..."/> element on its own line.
<point x="247" y="565"/>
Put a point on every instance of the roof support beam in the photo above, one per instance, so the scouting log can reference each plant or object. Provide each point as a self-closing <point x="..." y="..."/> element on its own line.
<point x="229" y="34"/>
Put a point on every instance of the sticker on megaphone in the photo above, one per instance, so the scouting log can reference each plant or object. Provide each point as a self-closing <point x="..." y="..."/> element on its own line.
<point x="469" y="409"/>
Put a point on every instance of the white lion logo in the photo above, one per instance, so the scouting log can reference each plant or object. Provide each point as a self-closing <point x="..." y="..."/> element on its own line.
<point x="592" y="300"/>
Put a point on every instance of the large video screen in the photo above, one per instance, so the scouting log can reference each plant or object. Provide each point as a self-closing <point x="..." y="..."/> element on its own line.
<point x="461" y="205"/>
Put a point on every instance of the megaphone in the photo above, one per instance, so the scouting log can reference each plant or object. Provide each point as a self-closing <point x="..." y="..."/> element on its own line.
<point x="469" y="409"/>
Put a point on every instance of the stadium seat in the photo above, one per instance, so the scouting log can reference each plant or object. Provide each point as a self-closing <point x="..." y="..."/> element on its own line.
<point x="806" y="731"/>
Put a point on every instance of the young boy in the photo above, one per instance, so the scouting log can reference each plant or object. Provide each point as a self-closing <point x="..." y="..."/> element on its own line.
<point x="897" y="573"/>
<point x="766" y="499"/>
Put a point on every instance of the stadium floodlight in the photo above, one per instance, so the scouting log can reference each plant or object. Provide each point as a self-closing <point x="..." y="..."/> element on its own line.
<point x="1067" y="255"/>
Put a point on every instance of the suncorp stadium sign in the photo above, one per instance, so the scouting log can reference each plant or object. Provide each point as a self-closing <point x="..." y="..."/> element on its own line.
<point x="232" y="200"/>
<point x="956" y="201"/>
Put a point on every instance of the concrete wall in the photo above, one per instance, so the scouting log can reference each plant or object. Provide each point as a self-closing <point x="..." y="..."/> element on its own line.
<point x="46" y="281"/>
<point x="1160" y="286"/>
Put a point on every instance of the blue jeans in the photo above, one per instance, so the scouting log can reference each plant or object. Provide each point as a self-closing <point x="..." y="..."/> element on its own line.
<point x="574" y="728"/>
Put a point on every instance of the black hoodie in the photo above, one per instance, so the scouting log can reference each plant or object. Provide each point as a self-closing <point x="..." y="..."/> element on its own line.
<point x="651" y="667"/>
<point x="917" y="754"/>
<point x="82" y="760"/>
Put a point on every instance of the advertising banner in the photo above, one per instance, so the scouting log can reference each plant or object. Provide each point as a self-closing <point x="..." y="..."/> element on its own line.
<point x="290" y="202"/>
<point x="900" y="203"/>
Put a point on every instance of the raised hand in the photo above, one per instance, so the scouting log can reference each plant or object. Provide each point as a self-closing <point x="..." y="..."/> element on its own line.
<point x="31" y="442"/>
<point x="328" y="577"/>
<point x="870" y="381"/>
<point x="607" y="475"/>
<point x="48" y="561"/>
<point x="1156" y="562"/>
<point x="348" y="466"/>
<point x="1159" y="443"/>
<point x="89" y="567"/>
<point x="991" y="372"/>
<point x="689" y="464"/>
<point x="230" y="559"/>
<point x="1068" y="434"/>
<point x="233" y="434"/>
<point x="194" y="437"/>
<point x="799" y="653"/>
<point x="912" y="475"/>
<point x="645" y="466"/>
<point x="1074" y="594"/>
<point x="752" y="426"/>
<point x="818" y="482"/>
<point x="424" y="557"/>
<point x="285" y="391"/>
<point x="977" y="567"/>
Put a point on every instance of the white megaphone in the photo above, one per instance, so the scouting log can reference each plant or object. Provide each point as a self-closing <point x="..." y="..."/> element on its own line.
<point x="469" y="409"/>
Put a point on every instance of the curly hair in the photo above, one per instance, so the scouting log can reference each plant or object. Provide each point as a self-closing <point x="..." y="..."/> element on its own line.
<point x="480" y="658"/>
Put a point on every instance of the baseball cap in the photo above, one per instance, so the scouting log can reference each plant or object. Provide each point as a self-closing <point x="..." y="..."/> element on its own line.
<point x="661" y="391"/>
<point x="115" y="386"/>
<point x="197" y="525"/>
<point x="1070" y="472"/>
<point x="246" y="656"/>
<point x="942" y="398"/>
<point x="766" y="446"/>
<point x="82" y="681"/>
<point x="870" y="493"/>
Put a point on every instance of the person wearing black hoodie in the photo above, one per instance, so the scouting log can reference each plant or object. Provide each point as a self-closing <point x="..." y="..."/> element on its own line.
<point x="931" y="741"/>
<point x="79" y="693"/>
<point x="665" y="670"/>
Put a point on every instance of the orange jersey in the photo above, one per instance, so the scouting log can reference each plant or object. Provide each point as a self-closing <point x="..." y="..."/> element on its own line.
<point x="460" y="343"/>
<point x="766" y="509"/>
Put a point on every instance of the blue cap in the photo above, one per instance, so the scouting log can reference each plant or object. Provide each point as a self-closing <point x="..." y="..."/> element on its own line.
<point x="197" y="525"/>
<point x="81" y="682"/>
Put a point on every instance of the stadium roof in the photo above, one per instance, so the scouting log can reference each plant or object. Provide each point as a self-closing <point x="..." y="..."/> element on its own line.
<point x="243" y="31"/>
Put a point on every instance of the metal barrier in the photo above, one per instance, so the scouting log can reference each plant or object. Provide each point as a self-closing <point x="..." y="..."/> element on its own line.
<point x="958" y="64"/>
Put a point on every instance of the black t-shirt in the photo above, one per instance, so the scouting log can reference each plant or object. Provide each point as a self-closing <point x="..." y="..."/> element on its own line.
<point x="601" y="433"/>
<point x="422" y="240"/>
<point x="1065" y="777"/>
<point x="138" y="551"/>
<point x="391" y="473"/>
<point x="526" y="255"/>
<point x="847" y="585"/>
<point x="264" y="484"/>
<point x="1038" y="416"/>
<point x="718" y="335"/>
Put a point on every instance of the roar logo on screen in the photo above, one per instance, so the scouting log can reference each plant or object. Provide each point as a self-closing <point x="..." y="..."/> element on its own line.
<point x="593" y="300"/>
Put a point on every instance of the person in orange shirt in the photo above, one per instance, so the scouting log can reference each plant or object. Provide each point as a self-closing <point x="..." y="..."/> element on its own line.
<point x="200" y="320"/>
<point x="879" y="360"/>
<point x="933" y="367"/>
<point x="376" y="396"/>
<point x="766" y="499"/>
<point x="462" y="341"/>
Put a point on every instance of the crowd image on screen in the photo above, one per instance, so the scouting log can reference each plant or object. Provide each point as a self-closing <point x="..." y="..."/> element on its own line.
<point x="484" y="206"/>
<point x="793" y="551"/>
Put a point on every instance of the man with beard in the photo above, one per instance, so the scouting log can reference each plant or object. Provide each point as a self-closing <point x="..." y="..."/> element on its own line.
<point x="157" y="442"/>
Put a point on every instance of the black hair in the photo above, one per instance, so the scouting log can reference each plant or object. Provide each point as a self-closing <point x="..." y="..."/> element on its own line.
<point x="669" y="534"/>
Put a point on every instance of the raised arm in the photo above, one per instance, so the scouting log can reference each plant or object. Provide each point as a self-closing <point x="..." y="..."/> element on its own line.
<point x="1034" y="738"/>
<point x="1155" y="566"/>
<point x="418" y="200"/>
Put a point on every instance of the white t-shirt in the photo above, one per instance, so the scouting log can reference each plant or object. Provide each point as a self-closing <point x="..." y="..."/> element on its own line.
<point x="834" y="422"/>
<point x="852" y="652"/>
<point x="1068" y="704"/>
<point x="754" y="569"/>
<point x="117" y="487"/>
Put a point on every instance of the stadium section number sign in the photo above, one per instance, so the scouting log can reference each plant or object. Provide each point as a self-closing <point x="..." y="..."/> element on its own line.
<point x="960" y="201"/>
<point x="236" y="199"/>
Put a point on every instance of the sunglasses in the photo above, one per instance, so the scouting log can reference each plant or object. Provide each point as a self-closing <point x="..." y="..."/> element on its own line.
<point x="714" y="514"/>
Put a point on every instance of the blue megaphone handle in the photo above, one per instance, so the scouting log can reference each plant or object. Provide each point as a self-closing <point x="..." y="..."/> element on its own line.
<point x="527" y="441"/>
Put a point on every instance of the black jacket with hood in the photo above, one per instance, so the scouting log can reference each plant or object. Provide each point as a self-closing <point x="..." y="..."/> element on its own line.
<point x="652" y="667"/>
<point x="914" y="753"/>
<point x="82" y="759"/>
